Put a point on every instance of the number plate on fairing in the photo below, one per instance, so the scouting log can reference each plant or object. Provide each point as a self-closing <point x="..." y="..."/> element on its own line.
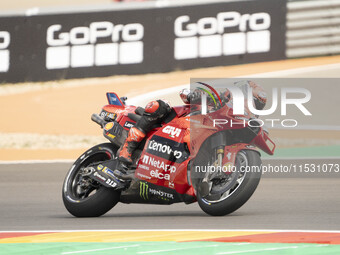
<point x="104" y="174"/>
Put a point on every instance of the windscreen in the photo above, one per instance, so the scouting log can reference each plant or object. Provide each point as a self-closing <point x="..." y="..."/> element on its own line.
<point x="113" y="99"/>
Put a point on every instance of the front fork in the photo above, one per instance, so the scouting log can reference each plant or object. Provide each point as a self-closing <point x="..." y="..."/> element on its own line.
<point x="220" y="154"/>
<point x="206" y="184"/>
<point x="217" y="164"/>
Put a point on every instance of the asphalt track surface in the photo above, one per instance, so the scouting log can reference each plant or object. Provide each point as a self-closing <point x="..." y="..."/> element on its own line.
<point x="30" y="199"/>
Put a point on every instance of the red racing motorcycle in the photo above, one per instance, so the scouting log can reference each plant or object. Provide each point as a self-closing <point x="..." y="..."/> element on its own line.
<point x="189" y="157"/>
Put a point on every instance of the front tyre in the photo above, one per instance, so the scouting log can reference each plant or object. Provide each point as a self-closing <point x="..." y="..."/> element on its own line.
<point x="244" y="187"/>
<point x="84" y="197"/>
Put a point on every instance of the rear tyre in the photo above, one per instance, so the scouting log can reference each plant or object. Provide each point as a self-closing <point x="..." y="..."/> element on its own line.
<point x="84" y="197"/>
<point x="244" y="187"/>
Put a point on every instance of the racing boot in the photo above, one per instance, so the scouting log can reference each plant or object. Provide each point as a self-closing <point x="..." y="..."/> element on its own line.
<point x="131" y="143"/>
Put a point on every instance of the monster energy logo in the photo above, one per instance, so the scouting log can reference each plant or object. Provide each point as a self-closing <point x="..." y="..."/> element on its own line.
<point x="143" y="190"/>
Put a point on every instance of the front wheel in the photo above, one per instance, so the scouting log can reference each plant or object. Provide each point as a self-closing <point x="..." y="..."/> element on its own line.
<point x="244" y="183"/>
<point x="84" y="197"/>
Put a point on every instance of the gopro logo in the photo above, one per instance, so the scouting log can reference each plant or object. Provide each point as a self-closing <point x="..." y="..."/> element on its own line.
<point x="79" y="47"/>
<point x="5" y="40"/>
<point x="209" y="36"/>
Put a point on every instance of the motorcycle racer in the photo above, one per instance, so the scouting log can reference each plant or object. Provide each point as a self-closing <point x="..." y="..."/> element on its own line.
<point x="181" y="158"/>
<point x="156" y="111"/>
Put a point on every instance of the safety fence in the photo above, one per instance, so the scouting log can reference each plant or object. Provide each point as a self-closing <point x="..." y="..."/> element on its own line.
<point x="313" y="28"/>
<point x="163" y="36"/>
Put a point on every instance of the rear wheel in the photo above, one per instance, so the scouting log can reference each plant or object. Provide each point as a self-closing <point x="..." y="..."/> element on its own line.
<point x="84" y="197"/>
<point x="227" y="193"/>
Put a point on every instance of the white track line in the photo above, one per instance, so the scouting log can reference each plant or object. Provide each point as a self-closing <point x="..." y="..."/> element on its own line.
<point x="277" y="74"/>
<point x="155" y="94"/>
<point x="177" y="249"/>
<point x="272" y="249"/>
<point x="163" y="92"/>
<point x="299" y="70"/>
<point x="103" y="249"/>
<point x="33" y="161"/>
<point x="173" y="230"/>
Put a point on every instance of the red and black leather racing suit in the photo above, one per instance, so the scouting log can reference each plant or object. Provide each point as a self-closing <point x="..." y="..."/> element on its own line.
<point x="155" y="112"/>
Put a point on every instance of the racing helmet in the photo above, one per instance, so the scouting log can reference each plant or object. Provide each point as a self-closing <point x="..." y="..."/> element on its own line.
<point x="259" y="95"/>
<point x="185" y="95"/>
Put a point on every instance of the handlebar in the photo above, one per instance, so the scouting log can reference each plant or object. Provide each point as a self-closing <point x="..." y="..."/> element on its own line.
<point x="123" y="99"/>
<point x="99" y="120"/>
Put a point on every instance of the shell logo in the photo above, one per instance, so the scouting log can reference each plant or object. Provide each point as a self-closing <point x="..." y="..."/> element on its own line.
<point x="108" y="126"/>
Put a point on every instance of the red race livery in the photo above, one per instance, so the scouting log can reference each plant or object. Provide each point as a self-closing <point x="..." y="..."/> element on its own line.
<point x="189" y="157"/>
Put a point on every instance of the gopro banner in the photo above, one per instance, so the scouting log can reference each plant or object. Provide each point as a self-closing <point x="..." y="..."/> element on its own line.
<point x="111" y="42"/>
